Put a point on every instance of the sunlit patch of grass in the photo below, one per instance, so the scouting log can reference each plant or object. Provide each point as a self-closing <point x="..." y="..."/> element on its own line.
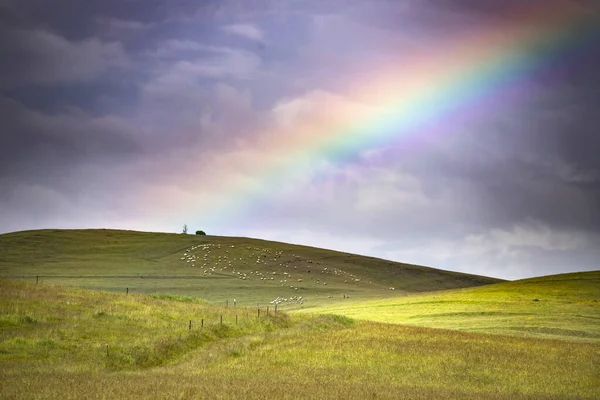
<point x="376" y="356"/>
<point x="566" y="307"/>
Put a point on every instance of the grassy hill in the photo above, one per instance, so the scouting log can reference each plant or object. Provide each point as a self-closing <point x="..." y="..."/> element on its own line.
<point x="213" y="268"/>
<point x="558" y="306"/>
<point x="530" y="339"/>
<point x="53" y="344"/>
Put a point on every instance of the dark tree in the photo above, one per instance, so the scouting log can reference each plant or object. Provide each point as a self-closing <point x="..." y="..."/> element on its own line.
<point x="200" y="233"/>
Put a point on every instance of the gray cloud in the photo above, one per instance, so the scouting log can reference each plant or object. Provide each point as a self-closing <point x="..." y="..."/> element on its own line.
<point x="77" y="20"/>
<point x="122" y="30"/>
<point x="39" y="145"/>
<point x="247" y="31"/>
<point x="45" y="58"/>
<point x="491" y="9"/>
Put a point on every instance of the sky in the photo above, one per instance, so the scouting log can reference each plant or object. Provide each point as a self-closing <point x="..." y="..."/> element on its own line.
<point x="457" y="134"/>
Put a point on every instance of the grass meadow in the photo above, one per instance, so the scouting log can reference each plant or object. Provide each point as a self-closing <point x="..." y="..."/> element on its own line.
<point x="54" y="346"/>
<point x="76" y="333"/>
<point x="559" y="306"/>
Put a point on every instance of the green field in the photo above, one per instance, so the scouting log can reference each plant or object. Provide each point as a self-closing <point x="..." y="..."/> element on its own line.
<point x="214" y="268"/>
<point x="437" y="335"/>
<point x="54" y="345"/>
<point x="558" y="306"/>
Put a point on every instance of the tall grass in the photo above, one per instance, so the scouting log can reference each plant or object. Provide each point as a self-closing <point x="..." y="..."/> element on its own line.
<point x="54" y="323"/>
<point x="53" y="345"/>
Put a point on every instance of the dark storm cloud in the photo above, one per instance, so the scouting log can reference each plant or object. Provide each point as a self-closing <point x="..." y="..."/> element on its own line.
<point x="35" y="145"/>
<point x="41" y="57"/>
<point x="575" y="124"/>
<point x="538" y="163"/>
<point x="44" y="49"/>
<point x="38" y="45"/>
<point x="58" y="169"/>
<point x="78" y="19"/>
<point x="506" y="9"/>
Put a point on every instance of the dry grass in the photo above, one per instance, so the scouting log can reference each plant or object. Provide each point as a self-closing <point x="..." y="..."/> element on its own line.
<point x="44" y="322"/>
<point x="52" y="347"/>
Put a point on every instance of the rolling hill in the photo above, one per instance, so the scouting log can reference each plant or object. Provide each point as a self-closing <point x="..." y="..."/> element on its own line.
<point x="563" y="306"/>
<point x="214" y="268"/>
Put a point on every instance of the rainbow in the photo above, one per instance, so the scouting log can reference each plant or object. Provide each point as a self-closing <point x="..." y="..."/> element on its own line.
<point x="465" y="76"/>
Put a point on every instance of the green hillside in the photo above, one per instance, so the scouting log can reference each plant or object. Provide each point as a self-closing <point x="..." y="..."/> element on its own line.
<point x="53" y="345"/>
<point x="214" y="268"/>
<point x="558" y="306"/>
<point x="347" y="335"/>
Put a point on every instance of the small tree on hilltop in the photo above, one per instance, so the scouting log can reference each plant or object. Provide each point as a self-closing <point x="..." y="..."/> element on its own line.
<point x="184" y="229"/>
<point x="200" y="233"/>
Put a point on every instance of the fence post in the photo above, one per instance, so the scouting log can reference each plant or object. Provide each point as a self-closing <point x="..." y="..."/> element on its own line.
<point x="267" y="310"/>
<point x="236" y="319"/>
<point x="221" y="319"/>
<point x="202" y="323"/>
<point x="275" y="308"/>
<point x="127" y="291"/>
<point x="259" y="313"/>
<point x="37" y="278"/>
<point x="190" y="327"/>
<point x="106" y="350"/>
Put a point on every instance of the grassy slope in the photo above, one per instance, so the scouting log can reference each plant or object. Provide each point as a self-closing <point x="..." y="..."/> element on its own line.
<point x="53" y="346"/>
<point x="47" y="322"/>
<point x="152" y="263"/>
<point x="566" y="306"/>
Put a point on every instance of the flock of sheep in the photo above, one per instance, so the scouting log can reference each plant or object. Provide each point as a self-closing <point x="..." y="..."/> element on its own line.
<point x="291" y="270"/>
<point x="290" y="300"/>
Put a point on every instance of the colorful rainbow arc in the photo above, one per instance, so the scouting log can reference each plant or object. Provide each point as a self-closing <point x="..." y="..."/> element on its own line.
<point x="460" y="77"/>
